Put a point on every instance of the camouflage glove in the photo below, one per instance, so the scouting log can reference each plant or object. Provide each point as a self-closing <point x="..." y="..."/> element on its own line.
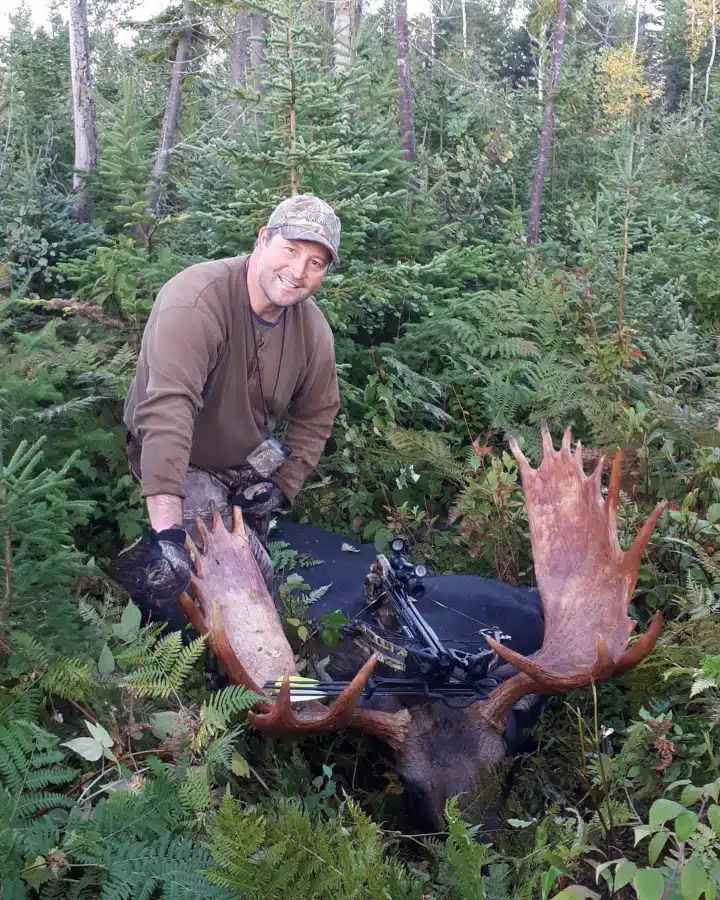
<point x="156" y="567"/>
<point x="260" y="500"/>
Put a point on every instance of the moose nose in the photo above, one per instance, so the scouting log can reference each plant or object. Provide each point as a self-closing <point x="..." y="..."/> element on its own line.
<point x="419" y="807"/>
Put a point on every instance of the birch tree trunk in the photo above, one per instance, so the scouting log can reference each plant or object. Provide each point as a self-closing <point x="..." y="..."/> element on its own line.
<point x="463" y="10"/>
<point x="405" y="111"/>
<point x="691" y="86"/>
<point x="238" y="62"/>
<point x="343" y="35"/>
<point x="546" y="135"/>
<point x="713" y="37"/>
<point x="172" y="114"/>
<point x="256" y="55"/>
<point x="432" y="29"/>
<point x="84" y="125"/>
<point x="356" y="20"/>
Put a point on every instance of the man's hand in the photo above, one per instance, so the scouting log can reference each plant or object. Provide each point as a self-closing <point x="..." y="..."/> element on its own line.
<point x="260" y="500"/>
<point x="156" y="567"/>
<point x="168" y="573"/>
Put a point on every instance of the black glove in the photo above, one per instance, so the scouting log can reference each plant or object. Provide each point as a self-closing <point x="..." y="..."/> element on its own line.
<point x="260" y="499"/>
<point x="156" y="567"/>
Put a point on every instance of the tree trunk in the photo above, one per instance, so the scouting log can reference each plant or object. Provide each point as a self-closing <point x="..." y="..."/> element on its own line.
<point x="692" y="84"/>
<point x="432" y="29"/>
<point x="343" y="35"/>
<point x="463" y="10"/>
<point x="328" y="13"/>
<point x="256" y="57"/>
<point x="238" y="62"/>
<point x="405" y="111"/>
<point x="546" y="135"/>
<point x="293" y="100"/>
<point x="713" y="37"/>
<point x="356" y="20"/>
<point x="84" y="126"/>
<point x="172" y="115"/>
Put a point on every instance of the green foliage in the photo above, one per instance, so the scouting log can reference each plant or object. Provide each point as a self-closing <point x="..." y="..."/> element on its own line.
<point x="37" y="230"/>
<point x="163" y="665"/>
<point x="267" y="855"/>
<point x="39" y="562"/>
<point x="31" y="780"/>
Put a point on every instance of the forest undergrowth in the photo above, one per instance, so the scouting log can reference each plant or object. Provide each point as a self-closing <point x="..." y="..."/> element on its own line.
<point x="124" y="771"/>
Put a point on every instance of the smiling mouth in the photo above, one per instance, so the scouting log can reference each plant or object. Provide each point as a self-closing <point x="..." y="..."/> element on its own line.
<point x="287" y="283"/>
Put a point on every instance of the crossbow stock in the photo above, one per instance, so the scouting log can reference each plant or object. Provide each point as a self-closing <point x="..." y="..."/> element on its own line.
<point x="407" y="645"/>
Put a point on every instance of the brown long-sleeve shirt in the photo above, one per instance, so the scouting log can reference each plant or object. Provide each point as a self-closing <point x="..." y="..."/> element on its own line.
<point x="196" y="395"/>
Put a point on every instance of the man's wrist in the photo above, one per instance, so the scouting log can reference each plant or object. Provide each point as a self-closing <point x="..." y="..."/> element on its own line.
<point x="164" y="511"/>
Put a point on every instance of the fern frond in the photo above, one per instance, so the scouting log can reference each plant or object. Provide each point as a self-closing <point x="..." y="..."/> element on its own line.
<point x="427" y="447"/>
<point x="166" y="667"/>
<point x="68" y="678"/>
<point x="30" y="762"/>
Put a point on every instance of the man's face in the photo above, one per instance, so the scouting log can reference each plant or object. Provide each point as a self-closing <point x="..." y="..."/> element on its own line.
<point x="289" y="271"/>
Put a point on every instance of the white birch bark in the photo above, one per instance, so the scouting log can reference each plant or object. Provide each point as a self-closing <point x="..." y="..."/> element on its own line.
<point x="342" y="35"/>
<point x="713" y="38"/>
<point x="84" y="123"/>
<point x="256" y="55"/>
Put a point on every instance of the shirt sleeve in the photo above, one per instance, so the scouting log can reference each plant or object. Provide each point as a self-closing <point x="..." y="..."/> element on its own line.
<point x="310" y="417"/>
<point x="181" y="351"/>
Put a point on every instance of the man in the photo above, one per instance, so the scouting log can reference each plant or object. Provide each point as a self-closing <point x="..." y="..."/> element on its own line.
<point x="231" y="347"/>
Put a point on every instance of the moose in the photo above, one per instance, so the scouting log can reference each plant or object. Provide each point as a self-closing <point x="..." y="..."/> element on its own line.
<point x="572" y="631"/>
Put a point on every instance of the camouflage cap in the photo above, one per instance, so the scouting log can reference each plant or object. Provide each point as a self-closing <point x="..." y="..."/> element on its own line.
<point x="305" y="217"/>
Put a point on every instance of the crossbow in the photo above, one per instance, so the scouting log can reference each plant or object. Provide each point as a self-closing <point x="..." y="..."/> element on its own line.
<point x="406" y="643"/>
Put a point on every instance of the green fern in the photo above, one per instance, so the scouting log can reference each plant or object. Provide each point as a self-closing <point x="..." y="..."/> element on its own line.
<point x="69" y="678"/>
<point x="164" y="664"/>
<point x="427" y="447"/>
<point x="31" y="770"/>
<point x="218" y="709"/>
<point x="196" y="793"/>
<point x="135" y="844"/>
<point x="282" y="853"/>
<point x="30" y="763"/>
<point x="464" y="855"/>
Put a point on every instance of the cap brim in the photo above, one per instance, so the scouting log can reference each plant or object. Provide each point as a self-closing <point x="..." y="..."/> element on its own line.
<point x="302" y="234"/>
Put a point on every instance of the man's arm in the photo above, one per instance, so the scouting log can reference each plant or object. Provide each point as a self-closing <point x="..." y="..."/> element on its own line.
<point x="164" y="511"/>
<point x="310" y="417"/>
<point x="180" y="352"/>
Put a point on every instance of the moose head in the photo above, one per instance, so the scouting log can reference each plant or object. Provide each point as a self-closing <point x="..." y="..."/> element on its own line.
<point x="585" y="581"/>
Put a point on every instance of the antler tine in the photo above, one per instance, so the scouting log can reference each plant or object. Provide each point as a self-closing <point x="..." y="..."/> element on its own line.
<point x="283" y="721"/>
<point x="585" y="580"/>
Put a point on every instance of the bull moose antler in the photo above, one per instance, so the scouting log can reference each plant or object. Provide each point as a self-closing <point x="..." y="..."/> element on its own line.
<point x="585" y="580"/>
<point x="231" y="604"/>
